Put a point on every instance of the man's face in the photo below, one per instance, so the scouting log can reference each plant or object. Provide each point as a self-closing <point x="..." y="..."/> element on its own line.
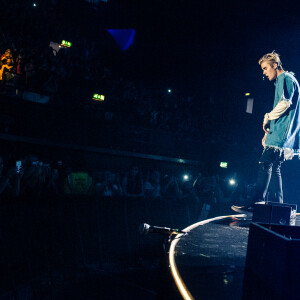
<point x="269" y="70"/>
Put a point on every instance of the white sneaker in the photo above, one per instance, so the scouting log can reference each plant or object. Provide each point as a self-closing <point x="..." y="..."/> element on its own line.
<point x="242" y="209"/>
<point x="260" y="202"/>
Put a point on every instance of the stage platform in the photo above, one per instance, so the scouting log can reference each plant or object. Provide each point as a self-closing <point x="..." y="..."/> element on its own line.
<point x="209" y="261"/>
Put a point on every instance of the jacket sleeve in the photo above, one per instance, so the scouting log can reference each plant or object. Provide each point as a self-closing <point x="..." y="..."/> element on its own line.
<point x="277" y="112"/>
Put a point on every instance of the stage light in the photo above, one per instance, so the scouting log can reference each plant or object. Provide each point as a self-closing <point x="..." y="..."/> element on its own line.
<point x="247" y="94"/>
<point x="123" y="37"/>
<point x="98" y="97"/>
<point x="223" y="164"/>
<point x="34" y="5"/>
<point x="232" y="182"/>
<point x="169" y="91"/>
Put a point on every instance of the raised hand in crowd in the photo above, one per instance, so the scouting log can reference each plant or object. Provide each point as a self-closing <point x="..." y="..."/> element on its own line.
<point x="171" y="185"/>
<point x="10" y="182"/>
<point x="34" y="179"/>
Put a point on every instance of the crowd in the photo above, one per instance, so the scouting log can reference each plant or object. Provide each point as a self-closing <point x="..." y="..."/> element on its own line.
<point x="32" y="56"/>
<point x="29" y="61"/>
<point x="73" y="75"/>
<point x="30" y="180"/>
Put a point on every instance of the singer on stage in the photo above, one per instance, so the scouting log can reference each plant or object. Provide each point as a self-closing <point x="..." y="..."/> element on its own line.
<point x="281" y="139"/>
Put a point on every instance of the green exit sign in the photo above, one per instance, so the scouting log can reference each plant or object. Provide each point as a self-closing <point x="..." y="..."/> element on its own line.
<point x="223" y="164"/>
<point x="98" y="97"/>
<point x="66" y="43"/>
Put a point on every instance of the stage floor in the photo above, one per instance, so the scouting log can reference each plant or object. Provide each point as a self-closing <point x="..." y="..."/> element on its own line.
<point x="209" y="261"/>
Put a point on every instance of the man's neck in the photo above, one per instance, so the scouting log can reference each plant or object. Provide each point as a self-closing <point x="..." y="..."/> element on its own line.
<point x="279" y="72"/>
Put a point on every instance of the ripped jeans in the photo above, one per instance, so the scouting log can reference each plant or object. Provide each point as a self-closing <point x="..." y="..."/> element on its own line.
<point x="269" y="166"/>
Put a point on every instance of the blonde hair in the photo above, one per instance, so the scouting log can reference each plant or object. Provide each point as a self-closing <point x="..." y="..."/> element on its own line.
<point x="271" y="58"/>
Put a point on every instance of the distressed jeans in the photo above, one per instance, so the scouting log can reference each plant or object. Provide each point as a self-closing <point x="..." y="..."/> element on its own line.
<point x="269" y="166"/>
<point x="265" y="172"/>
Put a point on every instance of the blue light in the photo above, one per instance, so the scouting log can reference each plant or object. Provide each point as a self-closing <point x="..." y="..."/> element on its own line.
<point x="123" y="37"/>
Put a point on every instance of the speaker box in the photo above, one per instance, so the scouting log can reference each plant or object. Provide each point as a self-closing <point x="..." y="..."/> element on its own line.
<point x="272" y="263"/>
<point x="275" y="213"/>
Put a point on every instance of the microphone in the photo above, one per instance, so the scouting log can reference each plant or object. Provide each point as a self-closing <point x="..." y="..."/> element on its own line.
<point x="146" y="228"/>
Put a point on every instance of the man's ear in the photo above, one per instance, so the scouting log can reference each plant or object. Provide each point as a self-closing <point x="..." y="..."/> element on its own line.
<point x="275" y="66"/>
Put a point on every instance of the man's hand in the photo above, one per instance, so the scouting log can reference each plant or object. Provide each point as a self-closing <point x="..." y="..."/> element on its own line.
<point x="263" y="141"/>
<point x="265" y="128"/>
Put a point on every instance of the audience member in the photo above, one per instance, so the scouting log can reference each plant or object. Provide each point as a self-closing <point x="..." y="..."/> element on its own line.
<point x="7" y="64"/>
<point x="110" y="185"/>
<point x="10" y="182"/>
<point x="78" y="183"/>
<point x="53" y="183"/>
<point x="19" y="70"/>
<point x="34" y="179"/>
<point x="190" y="199"/>
<point x="170" y="188"/>
<point x="30" y="73"/>
<point x="132" y="184"/>
<point x="152" y="185"/>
